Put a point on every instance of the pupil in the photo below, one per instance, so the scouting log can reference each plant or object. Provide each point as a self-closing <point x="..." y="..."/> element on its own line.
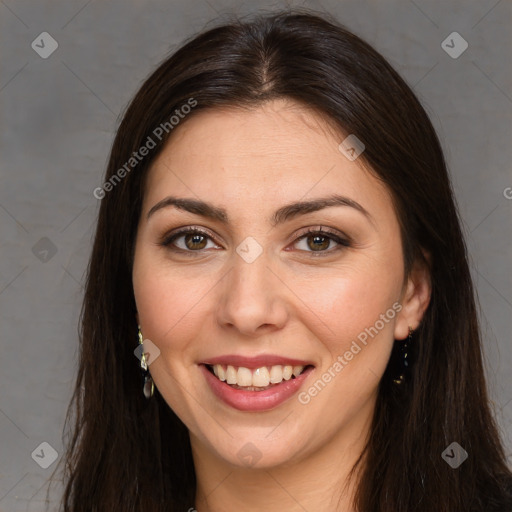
<point x="195" y="241"/>
<point x="316" y="239"/>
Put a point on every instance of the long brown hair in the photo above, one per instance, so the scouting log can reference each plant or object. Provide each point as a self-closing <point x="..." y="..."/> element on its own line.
<point x="129" y="454"/>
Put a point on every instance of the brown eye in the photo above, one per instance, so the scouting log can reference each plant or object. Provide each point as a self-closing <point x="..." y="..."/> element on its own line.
<point x="319" y="241"/>
<point x="194" y="240"/>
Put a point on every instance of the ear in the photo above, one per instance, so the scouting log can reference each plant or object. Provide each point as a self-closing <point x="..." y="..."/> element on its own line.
<point x="137" y="318"/>
<point x="415" y="298"/>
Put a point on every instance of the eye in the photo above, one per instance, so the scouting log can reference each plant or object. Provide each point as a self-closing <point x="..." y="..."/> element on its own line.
<point x="194" y="240"/>
<point x="319" y="240"/>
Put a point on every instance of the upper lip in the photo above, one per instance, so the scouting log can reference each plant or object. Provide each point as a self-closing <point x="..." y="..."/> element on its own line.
<point x="255" y="361"/>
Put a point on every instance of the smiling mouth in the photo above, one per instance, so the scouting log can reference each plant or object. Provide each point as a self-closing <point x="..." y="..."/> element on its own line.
<point x="259" y="379"/>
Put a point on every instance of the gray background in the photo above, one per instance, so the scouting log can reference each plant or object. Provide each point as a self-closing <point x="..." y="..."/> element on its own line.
<point x="59" y="116"/>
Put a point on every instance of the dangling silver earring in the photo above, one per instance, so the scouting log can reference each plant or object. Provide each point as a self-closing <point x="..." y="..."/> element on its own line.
<point x="405" y="362"/>
<point x="148" y="386"/>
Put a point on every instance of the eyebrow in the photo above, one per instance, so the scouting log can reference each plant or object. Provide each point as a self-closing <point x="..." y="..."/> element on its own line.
<point x="280" y="216"/>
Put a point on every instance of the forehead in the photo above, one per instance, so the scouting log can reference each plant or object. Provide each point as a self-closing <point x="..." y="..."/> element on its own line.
<point x="267" y="130"/>
<point x="277" y="151"/>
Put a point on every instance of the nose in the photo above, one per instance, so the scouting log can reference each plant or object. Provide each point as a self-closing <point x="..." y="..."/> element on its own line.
<point x="253" y="298"/>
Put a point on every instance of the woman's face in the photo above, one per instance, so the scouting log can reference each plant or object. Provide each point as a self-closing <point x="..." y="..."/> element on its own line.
<point x="256" y="294"/>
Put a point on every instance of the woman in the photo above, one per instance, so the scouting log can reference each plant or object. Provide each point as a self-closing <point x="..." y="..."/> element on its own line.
<point x="279" y="245"/>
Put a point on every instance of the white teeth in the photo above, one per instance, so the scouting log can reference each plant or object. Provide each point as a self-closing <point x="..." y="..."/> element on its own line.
<point x="259" y="378"/>
<point x="244" y="377"/>
<point x="221" y="373"/>
<point x="231" y="374"/>
<point x="287" y="372"/>
<point x="276" y="374"/>
<point x="297" y="370"/>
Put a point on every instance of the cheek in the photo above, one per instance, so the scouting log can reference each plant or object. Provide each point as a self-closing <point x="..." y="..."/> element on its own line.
<point x="351" y="303"/>
<point x="170" y="304"/>
<point x="357" y="316"/>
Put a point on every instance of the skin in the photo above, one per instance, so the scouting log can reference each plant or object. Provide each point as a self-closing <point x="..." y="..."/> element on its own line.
<point x="286" y="302"/>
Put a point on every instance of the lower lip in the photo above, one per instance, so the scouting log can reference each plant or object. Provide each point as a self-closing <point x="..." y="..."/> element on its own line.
<point x="255" y="400"/>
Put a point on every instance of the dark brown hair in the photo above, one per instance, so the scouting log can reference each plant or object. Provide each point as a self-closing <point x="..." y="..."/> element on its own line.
<point x="128" y="454"/>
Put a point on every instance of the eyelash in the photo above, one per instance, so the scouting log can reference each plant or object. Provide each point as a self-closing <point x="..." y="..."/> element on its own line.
<point x="343" y="243"/>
